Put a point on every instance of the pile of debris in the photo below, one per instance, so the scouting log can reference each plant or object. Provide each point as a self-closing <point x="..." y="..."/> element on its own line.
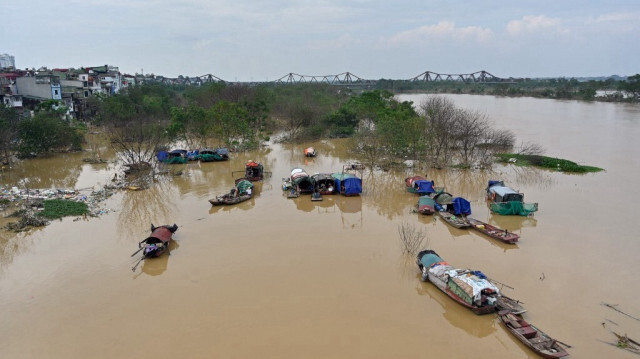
<point x="30" y="201"/>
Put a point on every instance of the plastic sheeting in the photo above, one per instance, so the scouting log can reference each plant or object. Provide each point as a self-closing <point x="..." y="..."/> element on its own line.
<point x="514" y="208"/>
<point x="424" y="187"/>
<point x="461" y="206"/>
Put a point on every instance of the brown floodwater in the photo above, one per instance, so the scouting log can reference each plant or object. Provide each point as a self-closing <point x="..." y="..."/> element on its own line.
<point x="289" y="278"/>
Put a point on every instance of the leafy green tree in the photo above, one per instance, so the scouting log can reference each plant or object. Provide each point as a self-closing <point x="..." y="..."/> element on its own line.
<point x="230" y="124"/>
<point x="46" y="131"/>
<point x="191" y="124"/>
<point x="632" y="85"/>
<point x="8" y="132"/>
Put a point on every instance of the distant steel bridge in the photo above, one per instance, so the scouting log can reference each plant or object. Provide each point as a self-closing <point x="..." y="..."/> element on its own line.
<point x="477" y="77"/>
<point x="345" y="78"/>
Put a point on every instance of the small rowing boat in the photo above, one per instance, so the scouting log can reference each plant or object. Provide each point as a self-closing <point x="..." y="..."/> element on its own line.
<point x="493" y="231"/>
<point x="534" y="338"/>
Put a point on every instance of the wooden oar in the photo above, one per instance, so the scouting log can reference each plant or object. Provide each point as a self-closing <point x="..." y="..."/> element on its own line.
<point x="136" y="252"/>
<point x="136" y="266"/>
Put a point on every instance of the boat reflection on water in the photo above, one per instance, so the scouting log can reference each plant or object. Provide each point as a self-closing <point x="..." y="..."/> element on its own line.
<point x="457" y="315"/>
<point x="158" y="265"/>
<point x="512" y="223"/>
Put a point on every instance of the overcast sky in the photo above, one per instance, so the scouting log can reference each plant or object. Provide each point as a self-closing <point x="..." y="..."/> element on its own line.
<point x="242" y="40"/>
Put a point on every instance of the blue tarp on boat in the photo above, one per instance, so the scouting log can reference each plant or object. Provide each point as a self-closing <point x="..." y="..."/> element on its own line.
<point x="162" y="156"/>
<point x="424" y="187"/>
<point x="349" y="185"/>
<point x="461" y="206"/>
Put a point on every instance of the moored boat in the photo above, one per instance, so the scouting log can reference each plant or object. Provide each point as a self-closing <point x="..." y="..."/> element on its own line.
<point x="470" y="288"/>
<point x="324" y="183"/>
<point x="309" y="152"/>
<point x="456" y="212"/>
<point x="156" y="244"/>
<point x="493" y="231"/>
<point x="299" y="181"/>
<point x="176" y="156"/>
<point x="507" y="201"/>
<point x="347" y="184"/>
<point x="240" y="193"/>
<point x="254" y="171"/>
<point x="426" y="205"/>
<point x="211" y="155"/>
<point x="532" y="337"/>
<point x="229" y="199"/>
<point x="421" y="185"/>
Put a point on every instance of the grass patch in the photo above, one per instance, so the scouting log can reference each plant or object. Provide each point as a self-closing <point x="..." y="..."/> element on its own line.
<point x="58" y="208"/>
<point x="547" y="162"/>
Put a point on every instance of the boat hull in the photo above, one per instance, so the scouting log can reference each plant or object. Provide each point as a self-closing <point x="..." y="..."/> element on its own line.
<point x="454" y="221"/>
<point x="228" y="200"/>
<point x="487" y="309"/>
<point x="493" y="231"/>
<point x="532" y="337"/>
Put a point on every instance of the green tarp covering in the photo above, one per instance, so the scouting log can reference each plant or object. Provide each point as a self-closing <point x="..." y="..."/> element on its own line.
<point x="243" y="185"/>
<point x="208" y="158"/>
<point x="514" y="208"/>
<point x="175" y="160"/>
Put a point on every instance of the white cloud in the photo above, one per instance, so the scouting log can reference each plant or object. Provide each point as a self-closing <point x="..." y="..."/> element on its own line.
<point x="619" y="17"/>
<point x="533" y="24"/>
<point x="444" y="30"/>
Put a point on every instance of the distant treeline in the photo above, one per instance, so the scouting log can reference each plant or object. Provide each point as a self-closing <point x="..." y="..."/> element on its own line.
<point x="610" y="89"/>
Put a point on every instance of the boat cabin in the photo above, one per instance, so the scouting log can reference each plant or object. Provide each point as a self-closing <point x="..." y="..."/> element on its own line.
<point x="498" y="192"/>
<point x="324" y="183"/>
<point x="254" y="171"/>
<point x="301" y="181"/>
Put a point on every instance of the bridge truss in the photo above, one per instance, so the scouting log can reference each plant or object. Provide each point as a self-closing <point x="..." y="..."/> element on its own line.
<point x="478" y="77"/>
<point x="345" y="78"/>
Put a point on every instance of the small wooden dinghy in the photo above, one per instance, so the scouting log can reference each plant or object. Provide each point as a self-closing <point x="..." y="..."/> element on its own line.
<point x="229" y="199"/>
<point x="531" y="336"/>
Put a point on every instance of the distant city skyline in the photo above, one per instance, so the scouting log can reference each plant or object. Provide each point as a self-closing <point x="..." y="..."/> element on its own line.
<point x="246" y="41"/>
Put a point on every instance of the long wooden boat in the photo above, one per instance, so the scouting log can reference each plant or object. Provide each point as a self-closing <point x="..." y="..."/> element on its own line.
<point x="510" y="304"/>
<point x="470" y="288"/>
<point x="534" y="338"/>
<point x="156" y="244"/>
<point x="229" y="199"/>
<point x="493" y="231"/>
<point x="459" y="221"/>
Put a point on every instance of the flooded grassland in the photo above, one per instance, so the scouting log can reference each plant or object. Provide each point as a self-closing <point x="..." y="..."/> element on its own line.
<point x="289" y="278"/>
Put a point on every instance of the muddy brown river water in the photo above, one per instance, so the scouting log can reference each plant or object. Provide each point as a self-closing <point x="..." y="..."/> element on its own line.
<point x="289" y="278"/>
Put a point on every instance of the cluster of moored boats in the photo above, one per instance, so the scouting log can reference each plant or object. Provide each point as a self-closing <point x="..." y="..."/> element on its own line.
<point x="179" y="156"/>
<point x="456" y="211"/>
<point x="472" y="288"/>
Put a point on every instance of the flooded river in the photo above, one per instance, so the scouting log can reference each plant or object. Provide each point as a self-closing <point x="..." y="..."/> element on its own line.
<point x="289" y="278"/>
